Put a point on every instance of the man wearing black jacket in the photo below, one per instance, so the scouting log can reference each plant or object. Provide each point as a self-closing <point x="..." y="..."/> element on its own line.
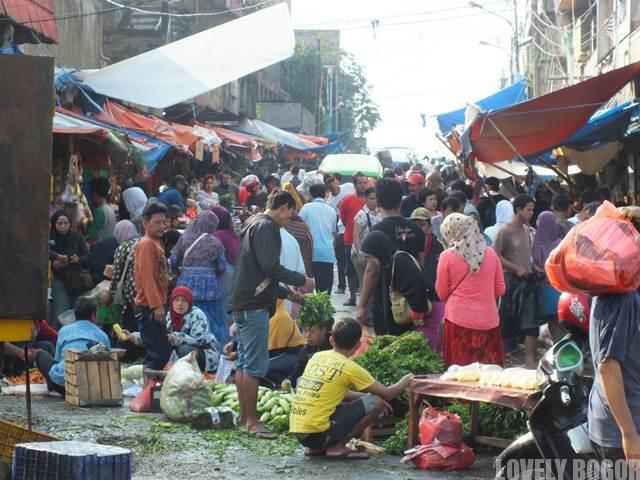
<point x="256" y="287"/>
<point x="317" y="338"/>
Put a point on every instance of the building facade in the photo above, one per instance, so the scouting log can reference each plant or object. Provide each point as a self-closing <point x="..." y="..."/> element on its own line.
<point x="573" y="40"/>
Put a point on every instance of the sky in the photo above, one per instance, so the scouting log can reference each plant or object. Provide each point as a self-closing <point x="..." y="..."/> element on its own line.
<point x="430" y="62"/>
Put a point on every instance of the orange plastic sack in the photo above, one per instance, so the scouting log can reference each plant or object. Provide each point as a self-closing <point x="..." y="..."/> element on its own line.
<point x="366" y="340"/>
<point x="599" y="256"/>
<point x="441" y="457"/>
<point x="443" y="427"/>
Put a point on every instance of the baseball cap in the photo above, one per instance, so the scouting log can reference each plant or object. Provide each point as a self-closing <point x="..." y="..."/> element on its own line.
<point x="421" y="213"/>
<point x="416" y="179"/>
<point x="180" y="179"/>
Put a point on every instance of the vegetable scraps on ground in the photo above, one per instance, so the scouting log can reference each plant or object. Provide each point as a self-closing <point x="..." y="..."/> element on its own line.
<point x="390" y="358"/>
<point x="316" y="310"/>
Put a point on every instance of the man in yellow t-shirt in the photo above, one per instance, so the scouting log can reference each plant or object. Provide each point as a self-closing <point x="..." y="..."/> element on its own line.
<point x="326" y="412"/>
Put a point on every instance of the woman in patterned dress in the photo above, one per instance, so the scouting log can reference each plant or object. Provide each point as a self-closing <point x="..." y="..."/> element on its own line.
<point x="201" y="258"/>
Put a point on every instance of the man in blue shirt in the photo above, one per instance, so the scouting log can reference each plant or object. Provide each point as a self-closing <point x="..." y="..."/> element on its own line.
<point x="614" y="403"/>
<point x="322" y="220"/>
<point x="82" y="334"/>
<point x="175" y="194"/>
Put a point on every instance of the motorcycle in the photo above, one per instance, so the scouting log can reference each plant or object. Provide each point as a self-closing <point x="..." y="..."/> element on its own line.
<point x="558" y="439"/>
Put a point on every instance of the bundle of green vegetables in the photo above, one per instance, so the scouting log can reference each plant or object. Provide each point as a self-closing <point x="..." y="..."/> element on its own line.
<point x="390" y="358"/>
<point x="316" y="310"/>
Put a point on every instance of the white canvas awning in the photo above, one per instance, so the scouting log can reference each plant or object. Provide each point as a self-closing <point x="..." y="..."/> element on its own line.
<point x="200" y="63"/>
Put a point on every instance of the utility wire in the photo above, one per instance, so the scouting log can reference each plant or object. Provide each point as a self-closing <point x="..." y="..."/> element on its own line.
<point x="118" y="6"/>
<point x="428" y="20"/>
<point x="187" y="15"/>
<point x="385" y="17"/>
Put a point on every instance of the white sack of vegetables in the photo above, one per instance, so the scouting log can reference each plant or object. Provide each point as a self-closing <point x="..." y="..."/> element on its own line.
<point x="184" y="391"/>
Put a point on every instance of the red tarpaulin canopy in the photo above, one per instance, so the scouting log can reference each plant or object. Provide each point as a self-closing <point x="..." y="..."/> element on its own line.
<point x="237" y="140"/>
<point x="33" y="20"/>
<point x="544" y="122"/>
<point x="180" y="136"/>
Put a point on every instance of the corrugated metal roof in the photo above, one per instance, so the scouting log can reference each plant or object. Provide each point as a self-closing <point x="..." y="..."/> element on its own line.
<point x="31" y="17"/>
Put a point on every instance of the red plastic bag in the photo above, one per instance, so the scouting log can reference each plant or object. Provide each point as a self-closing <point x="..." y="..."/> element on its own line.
<point x="443" y="427"/>
<point x="598" y="256"/>
<point x="366" y="340"/>
<point x="441" y="457"/>
<point x="142" y="402"/>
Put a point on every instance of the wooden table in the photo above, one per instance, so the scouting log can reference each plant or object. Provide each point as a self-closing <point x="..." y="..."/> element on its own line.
<point x="432" y="386"/>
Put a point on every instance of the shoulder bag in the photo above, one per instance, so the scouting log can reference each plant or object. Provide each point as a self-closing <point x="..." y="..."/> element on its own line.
<point x="400" y="308"/>
<point x="118" y="297"/>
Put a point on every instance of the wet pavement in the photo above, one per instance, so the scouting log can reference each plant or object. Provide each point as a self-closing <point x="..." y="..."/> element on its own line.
<point x="164" y="450"/>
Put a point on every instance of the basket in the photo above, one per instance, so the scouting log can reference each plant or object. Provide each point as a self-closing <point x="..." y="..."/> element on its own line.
<point x="12" y="434"/>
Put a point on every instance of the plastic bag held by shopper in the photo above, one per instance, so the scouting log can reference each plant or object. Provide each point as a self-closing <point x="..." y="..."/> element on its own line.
<point x="598" y="256"/>
<point x="443" y="427"/>
<point x="184" y="390"/>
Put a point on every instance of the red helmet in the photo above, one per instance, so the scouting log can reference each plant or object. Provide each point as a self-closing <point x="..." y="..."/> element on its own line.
<point x="574" y="310"/>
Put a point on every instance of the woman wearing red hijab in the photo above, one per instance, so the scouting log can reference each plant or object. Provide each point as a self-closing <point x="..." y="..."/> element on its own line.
<point x="188" y="330"/>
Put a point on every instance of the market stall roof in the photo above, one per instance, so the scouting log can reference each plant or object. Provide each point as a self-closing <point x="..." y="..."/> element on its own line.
<point x="510" y="95"/>
<point x="65" y="122"/>
<point x="151" y="149"/>
<point x="350" y="163"/>
<point x="236" y="140"/>
<point x="182" y="137"/>
<point x="261" y="129"/>
<point x="33" y="20"/>
<point x="539" y="124"/>
<point x="520" y="169"/>
<point x="605" y="125"/>
<point x="199" y="63"/>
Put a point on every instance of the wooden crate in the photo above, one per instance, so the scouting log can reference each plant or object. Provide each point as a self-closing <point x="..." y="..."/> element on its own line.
<point x="382" y="427"/>
<point x="92" y="379"/>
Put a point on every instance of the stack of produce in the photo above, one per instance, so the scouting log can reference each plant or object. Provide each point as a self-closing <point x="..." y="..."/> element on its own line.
<point x="390" y="358"/>
<point x="225" y="396"/>
<point x="273" y="406"/>
<point x="273" y="409"/>
<point x="493" y="375"/>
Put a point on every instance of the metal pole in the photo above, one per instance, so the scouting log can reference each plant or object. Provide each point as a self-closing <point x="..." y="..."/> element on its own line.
<point x="516" y="39"/>
<point x="318" y="85"/>
<point x="27" y="384"/>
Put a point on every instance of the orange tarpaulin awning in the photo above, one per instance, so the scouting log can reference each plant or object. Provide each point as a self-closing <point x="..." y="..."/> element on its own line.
<point x="179" y="136"/>
<point x="544" y="122"/>
<point x="237" y="140"/>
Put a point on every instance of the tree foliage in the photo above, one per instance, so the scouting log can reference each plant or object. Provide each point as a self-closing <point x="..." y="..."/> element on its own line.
<point x="354" y="107"/>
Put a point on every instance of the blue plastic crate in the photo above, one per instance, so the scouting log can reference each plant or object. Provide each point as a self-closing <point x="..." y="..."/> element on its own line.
<point x="71" y="461"/>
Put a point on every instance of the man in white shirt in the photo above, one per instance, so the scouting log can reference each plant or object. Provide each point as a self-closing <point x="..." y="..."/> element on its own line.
<point x="337" y="193"/>
<point x="322" y="221"/>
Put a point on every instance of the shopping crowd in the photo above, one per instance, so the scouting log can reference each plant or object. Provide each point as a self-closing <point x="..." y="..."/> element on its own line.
<point x="219" y="268"/>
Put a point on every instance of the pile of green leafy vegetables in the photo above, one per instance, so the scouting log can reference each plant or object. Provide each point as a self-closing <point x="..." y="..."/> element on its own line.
<point x="390" y="358"/>
<point x="316" y="310"/>
<point x="495" y="421"/>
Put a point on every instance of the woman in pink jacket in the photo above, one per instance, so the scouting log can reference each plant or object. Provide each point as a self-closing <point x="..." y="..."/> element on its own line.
<point x="469" y="281"/>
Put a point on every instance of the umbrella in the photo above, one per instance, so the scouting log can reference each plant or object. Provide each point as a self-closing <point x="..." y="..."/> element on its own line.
<point x="350" y="163"/>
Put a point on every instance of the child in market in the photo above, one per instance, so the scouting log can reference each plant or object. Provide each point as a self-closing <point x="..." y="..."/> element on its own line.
<point x="337" y="399"/>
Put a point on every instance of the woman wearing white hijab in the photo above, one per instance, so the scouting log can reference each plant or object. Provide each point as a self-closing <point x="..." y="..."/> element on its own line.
<point x="135" y="200"/>
<point x="504" y="214"/>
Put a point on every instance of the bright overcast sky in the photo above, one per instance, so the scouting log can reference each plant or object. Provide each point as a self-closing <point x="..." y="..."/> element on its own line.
<point x="430" y="63"/>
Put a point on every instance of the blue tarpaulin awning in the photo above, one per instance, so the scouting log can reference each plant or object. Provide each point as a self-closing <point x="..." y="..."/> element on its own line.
<point x="605" y="125"/>
<point x="510" y="95"/>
